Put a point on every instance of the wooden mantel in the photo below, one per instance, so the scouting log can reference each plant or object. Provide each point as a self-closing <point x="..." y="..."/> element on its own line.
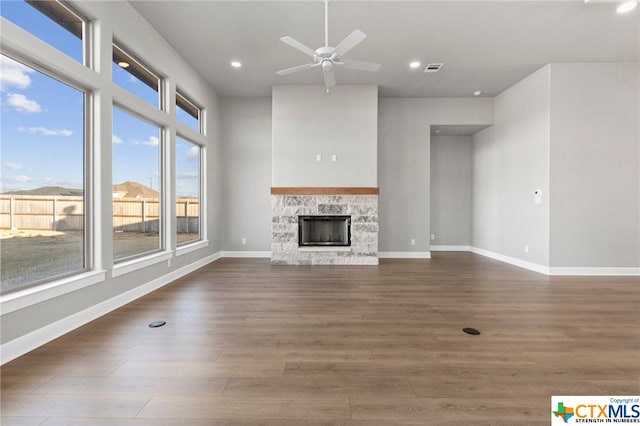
<point x="342" y="190"/>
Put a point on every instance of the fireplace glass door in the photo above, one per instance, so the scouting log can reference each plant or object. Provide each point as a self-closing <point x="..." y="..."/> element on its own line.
<point x="324" y="231"/>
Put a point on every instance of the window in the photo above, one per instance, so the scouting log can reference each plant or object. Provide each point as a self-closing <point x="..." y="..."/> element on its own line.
<point x="137" y="189"/>
<point x="130" y="74"/>
<point x="188" y="192"/>
<point x="50" y="21"/>
<point x="42" y="202"/>
<point x="187" y="112"/>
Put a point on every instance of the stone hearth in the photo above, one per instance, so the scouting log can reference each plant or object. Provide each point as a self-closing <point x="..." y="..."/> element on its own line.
<point x="363" y="209"/>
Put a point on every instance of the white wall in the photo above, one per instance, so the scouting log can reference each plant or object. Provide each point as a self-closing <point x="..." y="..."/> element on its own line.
<point x="246" y="173"/>
<point x="30" y="323"/>
<point x="595" y="170"/>
<point x="308" y="121"/>
<point x="404" y="150"/>
<point x="403" y="166"/>
<point x="451" y="190"/>
<point x="510" y="161"/>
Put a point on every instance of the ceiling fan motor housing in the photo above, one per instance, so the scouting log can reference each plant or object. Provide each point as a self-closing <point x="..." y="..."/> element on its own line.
<point x="324" y="54"/>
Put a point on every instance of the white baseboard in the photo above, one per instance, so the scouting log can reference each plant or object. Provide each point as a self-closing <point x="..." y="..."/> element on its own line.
<point x="450" y="248"/>
<point x="246" y="253"/>
<point x="28" y="342"/>
<point x="404" y="255"/>
<point x="594" y="271"/>
<point x="512" y="260"/>
<point x="559" y="270"/>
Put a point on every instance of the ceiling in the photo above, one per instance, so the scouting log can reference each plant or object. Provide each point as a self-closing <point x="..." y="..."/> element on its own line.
<point x="485" y="45"/>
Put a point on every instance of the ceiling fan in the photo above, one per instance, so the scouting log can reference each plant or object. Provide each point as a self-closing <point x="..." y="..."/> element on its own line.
<point x="329" y="57"/>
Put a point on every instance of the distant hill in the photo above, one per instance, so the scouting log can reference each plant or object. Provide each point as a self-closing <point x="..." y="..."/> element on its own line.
<point x="50" y="191"/>
<point x="125" y="189"/>
<point x="134" y="190"/>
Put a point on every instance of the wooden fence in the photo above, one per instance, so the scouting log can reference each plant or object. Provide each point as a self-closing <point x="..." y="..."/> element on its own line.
<point x="60" y="213"/>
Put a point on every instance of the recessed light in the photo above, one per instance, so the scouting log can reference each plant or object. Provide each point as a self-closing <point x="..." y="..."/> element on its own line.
<point x="414" y="64"/>
<point x="236" y="64"/>
<point x="477" y="93"/>
<point x="437" y="131"/>
<point x="123" y="64"/>
<point x="627" y="6"/>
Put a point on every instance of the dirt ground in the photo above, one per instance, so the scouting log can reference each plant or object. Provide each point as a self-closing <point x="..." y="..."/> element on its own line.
<point x="21" y="233"/>
<point x="31" y="255"/>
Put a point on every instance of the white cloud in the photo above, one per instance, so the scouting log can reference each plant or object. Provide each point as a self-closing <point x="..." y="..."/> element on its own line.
<point x="115" y="139"/>
<point x="46" y="132"/>
<point x="193" y="152"/>
<point x="188" y="175"/>
<point x="132" y="79"/>
<point x="20" y="178"/>
<point x="22" y="104"/>
<point x="152" y="141"/>
<point x="13" y="166"/>
<point x="13" y="74"/>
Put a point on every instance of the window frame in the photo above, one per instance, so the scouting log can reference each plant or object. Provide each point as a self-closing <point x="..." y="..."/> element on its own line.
<point x="87" y="178"/>
<point x="140" y="70"/>
<point x="162" y="189"/>
<point x="62" y="8"/>
<point x="93" y="77"/>
<point x="201" y="168"/>
<point x="59" y="12"/>
<point x="187" y="105"/>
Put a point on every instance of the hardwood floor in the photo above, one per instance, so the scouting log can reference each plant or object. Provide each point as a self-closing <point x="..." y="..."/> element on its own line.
<point x="247" y="343"/>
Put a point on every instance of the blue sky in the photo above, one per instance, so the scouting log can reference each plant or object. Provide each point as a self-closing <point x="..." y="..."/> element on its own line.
<point x="42" y="123"/>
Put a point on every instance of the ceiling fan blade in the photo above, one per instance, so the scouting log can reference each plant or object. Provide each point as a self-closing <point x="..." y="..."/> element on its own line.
<point x="298" y="68"/>
<point x="361" y="65"/>
<point x="297" y="45"/>
<point x="329" y="77"/>
<point x="349" y="42"/>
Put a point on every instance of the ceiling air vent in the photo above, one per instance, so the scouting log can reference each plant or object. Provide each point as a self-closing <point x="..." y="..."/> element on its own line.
<point x="433" y="67"/>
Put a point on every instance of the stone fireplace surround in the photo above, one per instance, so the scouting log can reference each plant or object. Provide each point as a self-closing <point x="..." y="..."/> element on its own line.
<point x="360" y="203"/>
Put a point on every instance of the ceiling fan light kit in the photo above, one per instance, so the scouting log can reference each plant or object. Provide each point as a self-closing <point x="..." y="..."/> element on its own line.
<point x="329" y="57"/>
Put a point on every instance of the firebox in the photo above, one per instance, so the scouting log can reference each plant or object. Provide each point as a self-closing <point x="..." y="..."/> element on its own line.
<point x="324" y="231"/>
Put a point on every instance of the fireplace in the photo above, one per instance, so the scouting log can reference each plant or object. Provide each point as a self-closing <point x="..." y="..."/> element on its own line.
<point x="324" y="226"/>
<point x="324" y="231"/>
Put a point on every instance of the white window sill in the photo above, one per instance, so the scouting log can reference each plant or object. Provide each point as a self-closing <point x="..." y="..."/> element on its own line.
<point x="188" y="248"/>
<point x="139" y="263"/>
<point x="39" y="293"/>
